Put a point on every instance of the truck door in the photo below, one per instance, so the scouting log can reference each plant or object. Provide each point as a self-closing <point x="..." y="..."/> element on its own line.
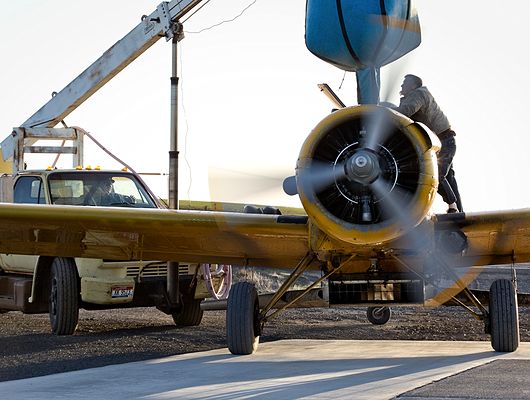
<point x="27" y="190"/>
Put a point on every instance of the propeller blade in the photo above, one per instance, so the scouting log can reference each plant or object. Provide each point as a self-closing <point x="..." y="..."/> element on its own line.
<point x="443" y="281"/>
<point x="321" y="175"/>
<point x="236" y="186"/>
<point x="378" y="127"/>
<point x="393" y="77"/>
<point x="393" y="203"/>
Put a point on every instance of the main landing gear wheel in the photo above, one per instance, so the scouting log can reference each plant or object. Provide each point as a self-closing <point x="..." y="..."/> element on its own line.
<point x="503" y="316"/>
<point x="64" y="296"/>
<point x="242" y="319"/>
<point x="378" y="315"/>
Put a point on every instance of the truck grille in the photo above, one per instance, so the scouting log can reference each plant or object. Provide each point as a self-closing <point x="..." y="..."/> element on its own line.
<point x="159" y="269"/>
<point x="154" y="270"/>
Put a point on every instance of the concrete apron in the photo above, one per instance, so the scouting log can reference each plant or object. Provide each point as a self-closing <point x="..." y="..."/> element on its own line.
<point x="287" y="369"/>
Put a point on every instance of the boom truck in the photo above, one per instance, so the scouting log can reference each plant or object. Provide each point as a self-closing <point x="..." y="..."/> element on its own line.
<point x="61" y="285"/>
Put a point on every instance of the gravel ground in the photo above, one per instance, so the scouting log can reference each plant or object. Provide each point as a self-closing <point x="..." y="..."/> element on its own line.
<point x="117" y="336"/>
<point x="123" y="335"/>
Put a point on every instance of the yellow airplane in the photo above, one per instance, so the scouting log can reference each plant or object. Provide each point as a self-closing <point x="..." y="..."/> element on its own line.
<point x="366" y="177"/>
<point x="367" y="229"/>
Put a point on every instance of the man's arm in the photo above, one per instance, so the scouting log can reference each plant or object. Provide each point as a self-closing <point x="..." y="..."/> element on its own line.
<point x="410" y="104"/>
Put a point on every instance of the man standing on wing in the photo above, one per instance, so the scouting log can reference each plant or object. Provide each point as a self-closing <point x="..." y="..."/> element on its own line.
<point x="418" y="104"/>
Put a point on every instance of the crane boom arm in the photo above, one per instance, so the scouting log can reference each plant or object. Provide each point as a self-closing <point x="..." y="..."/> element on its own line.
<point x="161" y="23"/>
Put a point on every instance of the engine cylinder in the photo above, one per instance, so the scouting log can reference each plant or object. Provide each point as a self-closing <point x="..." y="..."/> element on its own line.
<point x="367" y="174"/>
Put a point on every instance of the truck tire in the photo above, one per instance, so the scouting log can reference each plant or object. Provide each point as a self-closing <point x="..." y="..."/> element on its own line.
<point x="64" y="296"/>
<point x="190" y="314"/>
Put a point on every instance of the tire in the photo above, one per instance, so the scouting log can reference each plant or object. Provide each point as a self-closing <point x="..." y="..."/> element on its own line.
<point x="378" y="315"/>
<point x="190" y="314"/>
<point x="503" y="316"/>
<point x="242" y="319"/>
<point x="64" y="296"/>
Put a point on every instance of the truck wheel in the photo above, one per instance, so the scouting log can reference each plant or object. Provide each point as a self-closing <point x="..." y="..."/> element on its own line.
<point x="190" y="314"/>
<point x="64" y="296"/>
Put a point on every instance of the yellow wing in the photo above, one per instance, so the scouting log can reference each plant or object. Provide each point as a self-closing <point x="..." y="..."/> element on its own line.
<point x="153" y="234"/>
<point x="495" y="237"/>
<point x="231" y="237"/>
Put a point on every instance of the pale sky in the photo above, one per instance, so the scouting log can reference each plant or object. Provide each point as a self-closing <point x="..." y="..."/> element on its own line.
<point x="249" y="94"/>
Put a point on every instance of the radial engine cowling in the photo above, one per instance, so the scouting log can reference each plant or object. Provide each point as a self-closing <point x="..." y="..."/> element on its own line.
<point x="367" y="174"/>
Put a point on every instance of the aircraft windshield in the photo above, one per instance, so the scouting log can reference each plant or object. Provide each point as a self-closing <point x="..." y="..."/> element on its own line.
<point x="98" y="189"/>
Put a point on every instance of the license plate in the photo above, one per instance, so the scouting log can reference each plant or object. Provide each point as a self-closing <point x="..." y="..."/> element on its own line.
<point x="120" y="292"/>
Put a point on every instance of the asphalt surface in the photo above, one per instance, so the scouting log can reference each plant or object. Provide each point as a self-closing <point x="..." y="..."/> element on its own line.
<point x="498" y="379"/>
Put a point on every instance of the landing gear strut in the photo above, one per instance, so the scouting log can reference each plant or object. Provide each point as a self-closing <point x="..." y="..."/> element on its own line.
<point x="244" y="320"/>
<point x="501" y="320"/>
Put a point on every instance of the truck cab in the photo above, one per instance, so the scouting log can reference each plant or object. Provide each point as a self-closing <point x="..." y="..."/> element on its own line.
<point x="60" y="286"/>
<point x="82" y="188"/>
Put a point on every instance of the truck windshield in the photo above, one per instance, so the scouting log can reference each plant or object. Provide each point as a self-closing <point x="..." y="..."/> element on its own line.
<point x="93" y="188"/>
